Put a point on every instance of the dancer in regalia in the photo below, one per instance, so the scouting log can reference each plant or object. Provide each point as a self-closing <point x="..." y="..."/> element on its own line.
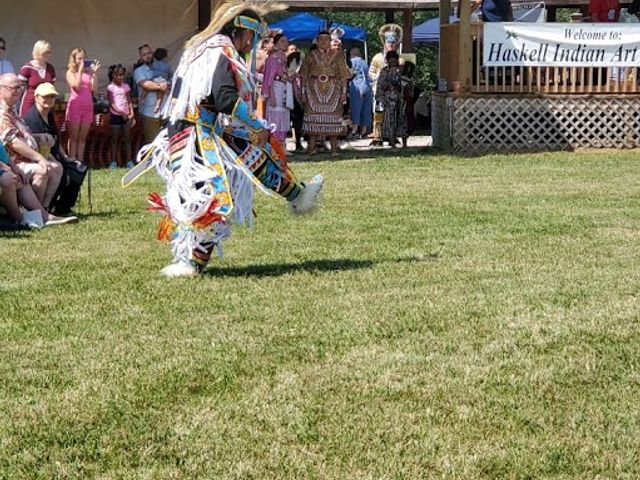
<point x="324" y="75"/>
<point x="391" y="37"/>
<point x="391" y="93"/>
<point x="215" y="151"/>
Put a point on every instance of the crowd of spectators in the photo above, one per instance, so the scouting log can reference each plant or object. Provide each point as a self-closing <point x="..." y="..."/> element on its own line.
<point x="329" y="93"/>
<point x="40" y="179"/>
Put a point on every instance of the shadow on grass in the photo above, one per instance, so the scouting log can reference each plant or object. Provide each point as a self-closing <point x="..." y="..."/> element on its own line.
<point x="8" y="230"/>
<point x="336" y="265"/>
<point x="277" y="269"/>
<point x="14" y="233"/>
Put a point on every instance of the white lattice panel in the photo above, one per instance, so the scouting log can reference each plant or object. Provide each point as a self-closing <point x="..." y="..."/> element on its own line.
<point x="496" y="123"/>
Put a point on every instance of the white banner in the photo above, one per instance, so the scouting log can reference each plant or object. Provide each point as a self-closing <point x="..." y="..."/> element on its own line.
<point x="561" y="44"/>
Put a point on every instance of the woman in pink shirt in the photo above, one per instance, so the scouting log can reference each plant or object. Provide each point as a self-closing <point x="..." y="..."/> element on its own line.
<point x="81" y="77"/>
<point x="122" y="114"/>
<point x="35" y="72"/>
<point x="277" y="89"/>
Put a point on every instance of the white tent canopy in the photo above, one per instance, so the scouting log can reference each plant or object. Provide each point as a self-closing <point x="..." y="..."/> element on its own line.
<point x="110" y="31"/>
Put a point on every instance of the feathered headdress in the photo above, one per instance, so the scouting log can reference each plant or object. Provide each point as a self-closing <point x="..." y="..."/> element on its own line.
<point x="390" y="33"/>
<point x="225" y="11"/>
<point x="337" y="33"/>
<point x="201" y="54"/>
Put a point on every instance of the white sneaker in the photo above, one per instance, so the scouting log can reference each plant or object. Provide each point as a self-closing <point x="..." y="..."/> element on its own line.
<point x="307" y="200"/>
<point x="179" y="269"/>
<point x="53" y="220"/>
<point x="33" y="219"/>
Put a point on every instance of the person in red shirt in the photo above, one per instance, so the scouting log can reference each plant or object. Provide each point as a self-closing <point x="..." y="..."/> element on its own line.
<point x="604" y="11"/>
<point x="35" y="72"/>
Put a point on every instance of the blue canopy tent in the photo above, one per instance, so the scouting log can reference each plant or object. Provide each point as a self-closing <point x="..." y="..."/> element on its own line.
<point x="304" y="27"/>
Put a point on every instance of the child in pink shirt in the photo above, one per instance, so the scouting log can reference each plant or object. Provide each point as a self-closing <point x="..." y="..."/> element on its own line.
<point x="121" y="113"/>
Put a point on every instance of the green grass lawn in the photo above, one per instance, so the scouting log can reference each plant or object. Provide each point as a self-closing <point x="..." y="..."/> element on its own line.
<point x="440" y="317"/>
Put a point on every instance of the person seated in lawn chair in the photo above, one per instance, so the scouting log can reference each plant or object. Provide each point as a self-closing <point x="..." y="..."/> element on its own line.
<point x="13" y="193"/>
<point x="215" y="150"/>
<point x="40" y="120"/>
<point x="36" y="171"/>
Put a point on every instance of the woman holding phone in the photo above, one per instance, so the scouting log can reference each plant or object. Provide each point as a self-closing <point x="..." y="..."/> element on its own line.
<point x="81" y="77"/>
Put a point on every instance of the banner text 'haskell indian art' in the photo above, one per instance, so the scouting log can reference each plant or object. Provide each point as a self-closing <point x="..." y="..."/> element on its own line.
<point x="584" y="45"/>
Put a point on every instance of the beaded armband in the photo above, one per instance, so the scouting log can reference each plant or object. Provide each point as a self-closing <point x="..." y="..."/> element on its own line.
<point x="241" y="112"/>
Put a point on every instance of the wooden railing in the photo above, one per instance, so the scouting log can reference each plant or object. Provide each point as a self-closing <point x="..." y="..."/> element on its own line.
<point x="543" y="80"/>
<point x="449" y="57"/>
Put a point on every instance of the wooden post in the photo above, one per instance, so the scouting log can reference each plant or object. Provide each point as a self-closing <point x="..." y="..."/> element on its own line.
<point x="407" y="31"/>
<point x="551" y="14"/>
<point x="204" y="14"/>
<point x="389" y="16"/>
<point x="445" y="9"/>
<point x="465" y="49"/>
<point x="584" y="9"/>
